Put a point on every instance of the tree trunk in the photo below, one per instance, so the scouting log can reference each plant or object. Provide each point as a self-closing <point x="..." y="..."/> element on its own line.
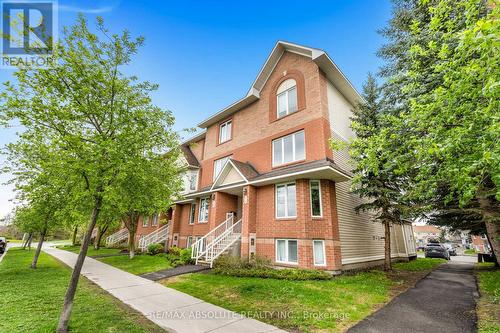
<point x="131" y="243"/>
<point x="62" y="327"/>
<point x="387" y="246"/>
<point x="26" y="241"/>
<point x="491" y="221"/>
<point x="98" y="238"/>
<point x="39" y="248"/>
<point x="75" y="231"/>
<point x="29" y="241"/>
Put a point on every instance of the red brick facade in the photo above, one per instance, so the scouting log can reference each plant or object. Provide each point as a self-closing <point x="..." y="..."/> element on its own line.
<point x="253" y="130"/>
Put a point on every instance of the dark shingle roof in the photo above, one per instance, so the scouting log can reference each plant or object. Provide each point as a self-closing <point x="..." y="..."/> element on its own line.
<point x="190" y="158"/>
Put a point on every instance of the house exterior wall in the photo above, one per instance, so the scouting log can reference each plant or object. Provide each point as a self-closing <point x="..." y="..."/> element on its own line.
<point x="349" y="239"/>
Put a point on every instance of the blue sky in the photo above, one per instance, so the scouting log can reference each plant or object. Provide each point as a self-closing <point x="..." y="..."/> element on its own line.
<point x="205" y="54"/>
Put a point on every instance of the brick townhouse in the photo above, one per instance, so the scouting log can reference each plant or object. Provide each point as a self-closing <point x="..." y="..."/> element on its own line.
<point x="262" y="181"/>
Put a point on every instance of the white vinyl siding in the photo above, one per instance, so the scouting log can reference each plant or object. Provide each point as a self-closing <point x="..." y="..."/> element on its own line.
<point x="286" y="98"/>
<point x="361" y="237"/>
<point x="225" y="131"/>
<point x="219" y="164"/>
<point x="203" y="213"/>
<point x="315" y="196"/>
<point x="287" y="251"/>
<point x="290" y="148"/>
<point x="319" y="253"/>
<point x="285" y="200"/>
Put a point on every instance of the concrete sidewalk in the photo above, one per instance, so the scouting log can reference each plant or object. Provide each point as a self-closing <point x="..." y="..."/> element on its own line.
<point x="168" y="308"/>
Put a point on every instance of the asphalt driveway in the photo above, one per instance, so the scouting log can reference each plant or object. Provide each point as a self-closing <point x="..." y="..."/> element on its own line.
<point x="444" y="301"/>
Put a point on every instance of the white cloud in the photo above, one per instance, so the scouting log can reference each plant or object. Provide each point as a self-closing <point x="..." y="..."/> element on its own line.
<point x="73" y="9"/>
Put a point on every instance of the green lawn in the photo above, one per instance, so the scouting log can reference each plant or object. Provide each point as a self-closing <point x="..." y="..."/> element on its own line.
<point x="140" y="264"/>
<point x="488" y="308"/>
<point x="470" y="251"/>
<point x="90" y="252"/>
<point x="307" y="306"/>
<point x="421" y="264"/>
<point x="31" y="300"/>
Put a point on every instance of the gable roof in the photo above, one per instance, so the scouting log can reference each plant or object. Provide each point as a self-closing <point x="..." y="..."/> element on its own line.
<point x="191" y="160"/>
<point x="320" y="57"/>
<point x="244" y="172"/>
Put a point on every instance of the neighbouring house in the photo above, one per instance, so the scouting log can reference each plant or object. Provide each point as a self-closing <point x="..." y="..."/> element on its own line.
<point x="262" y="181"/>
<point x="481" y="244"/>
<point x="425" y="233"/>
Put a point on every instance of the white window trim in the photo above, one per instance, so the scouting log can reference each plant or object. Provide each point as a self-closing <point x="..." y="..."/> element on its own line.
<point x="285" y="92"/>
<point x="154" y="220"/>
<point x="145" y="221"/>
<point x="214" y="176"/>
<point x="320" y="198"/>
<point x="199" y="210"/>
<point x="286" y="201"/>
<point x="225" y="124"/>
<point x="324" y="253"/>
<point x="188" y="242"/>
<point x="294" y="159"/>
<point x="286" y="251"/>
<point x="192" y="213"/>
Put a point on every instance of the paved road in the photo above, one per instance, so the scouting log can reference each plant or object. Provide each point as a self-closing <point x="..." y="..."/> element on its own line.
<point x="444" y="301"/>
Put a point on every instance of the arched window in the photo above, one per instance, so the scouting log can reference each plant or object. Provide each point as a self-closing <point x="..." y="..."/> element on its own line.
<point x="286" y="96"/>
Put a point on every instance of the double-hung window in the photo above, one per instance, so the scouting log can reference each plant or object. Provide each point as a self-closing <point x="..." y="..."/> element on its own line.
<point x="219" y="164"/>
<point x="290" y="148"/>
<point x="145" y="221"/>
<point x="287" y="251"/>
<point x="319" y="252"/>
<point x="286" y="98"/>
<point x="189" y="241"/>
<point x="191" y="213"/>
<point x="285" y="200"/>
<point x="225" y="131"/>
<point x="315" y="189"/>
<point x="192" y="180"/>
<point x="203" y="213"/>
<point x="154" y="221"/>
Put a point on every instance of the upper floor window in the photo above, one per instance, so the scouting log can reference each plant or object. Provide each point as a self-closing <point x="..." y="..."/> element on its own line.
<point x="286" y="98"/>
<point x="145" y="221"/>
<point x="192" y="181"/>
<point x="289" y="149"/>
<point x="203" y="213"/>
<point x="191" y="213"/>
<point x="219" y="164"/>
<point x="225" y="131"/>
<point x="154" y="221"/>
<point x="315" y="189"/>
<point x="285" y="200"/>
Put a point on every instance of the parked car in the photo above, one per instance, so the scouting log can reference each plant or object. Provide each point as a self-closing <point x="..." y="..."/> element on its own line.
<point x="3" y="244"/>
<point x="436" y="250"/>
<point x="451" y="249"/>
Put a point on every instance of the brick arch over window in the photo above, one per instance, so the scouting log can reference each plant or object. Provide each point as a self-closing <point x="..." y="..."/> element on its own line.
<point x="301" y="92"/>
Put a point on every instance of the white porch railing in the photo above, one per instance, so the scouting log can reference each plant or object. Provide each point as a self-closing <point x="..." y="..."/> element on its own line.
<point x="222" y="243"/>
<point x="158" y="236"/>
<point x="199" y="247"/>
<point x="117" y="237"/>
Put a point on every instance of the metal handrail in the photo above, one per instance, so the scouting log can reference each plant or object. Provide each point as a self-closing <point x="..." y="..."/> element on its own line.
<point x="199" y="247"/>
<point x="117" y="237"/>
<point x="214" y="251"/>
<point x="158" y="235"/>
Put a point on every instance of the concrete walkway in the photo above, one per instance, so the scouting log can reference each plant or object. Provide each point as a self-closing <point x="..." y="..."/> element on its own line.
<point x="167" y="273"/>
<point x="444" y="301"/>
<point x="168" y="308"/>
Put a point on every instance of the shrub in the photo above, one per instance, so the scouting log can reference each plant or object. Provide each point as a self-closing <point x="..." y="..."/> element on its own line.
<point x="185" y="256"/>
<point x="154" y="249"/>
<point x="175" y="251"/>
<point x="260" y="268"/>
